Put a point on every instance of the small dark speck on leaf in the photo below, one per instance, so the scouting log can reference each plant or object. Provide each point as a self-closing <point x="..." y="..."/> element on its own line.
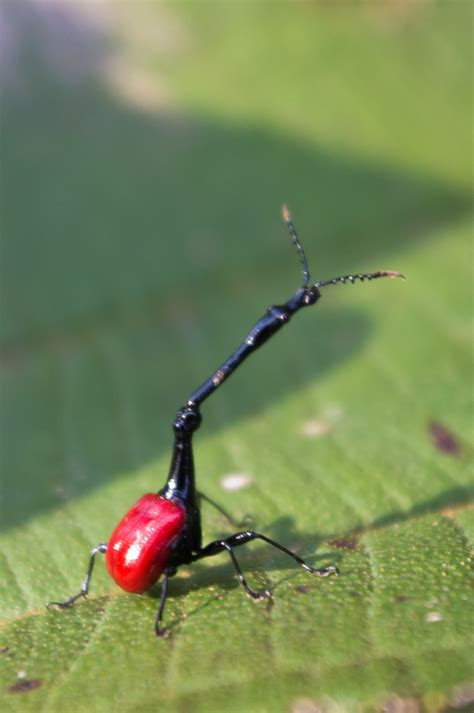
<point x="25" y="685"/>
<point x="343" y="543"/>
<point x="443" y="440"/>
<point x="399" y="598"/>
<point x="5" y="650"/>
<point x="302" y="589"/>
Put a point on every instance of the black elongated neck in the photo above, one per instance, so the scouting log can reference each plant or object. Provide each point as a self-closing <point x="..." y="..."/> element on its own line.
<point x="272" y="321"/>
<point x="181" y="479"/>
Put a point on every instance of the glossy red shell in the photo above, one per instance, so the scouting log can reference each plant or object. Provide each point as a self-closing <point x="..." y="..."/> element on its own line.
<point x="139" y="548"/>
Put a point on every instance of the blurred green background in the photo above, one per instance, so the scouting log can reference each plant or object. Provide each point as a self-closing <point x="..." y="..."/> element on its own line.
<point x="146" y="151"/>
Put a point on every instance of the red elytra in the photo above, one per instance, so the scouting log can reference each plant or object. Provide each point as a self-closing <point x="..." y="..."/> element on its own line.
<point x="139" y="548"/>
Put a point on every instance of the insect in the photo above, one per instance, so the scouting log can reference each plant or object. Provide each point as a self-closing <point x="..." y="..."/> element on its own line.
<point x="162" y="531"/>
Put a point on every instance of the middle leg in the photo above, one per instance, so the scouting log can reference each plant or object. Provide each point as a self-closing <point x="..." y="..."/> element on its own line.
<point x="219" y="508"/>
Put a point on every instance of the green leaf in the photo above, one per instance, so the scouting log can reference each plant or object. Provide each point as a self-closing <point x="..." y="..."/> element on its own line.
<point x="141" y="244"/>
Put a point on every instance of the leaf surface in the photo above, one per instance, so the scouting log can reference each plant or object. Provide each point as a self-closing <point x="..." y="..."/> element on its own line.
<point x="140" y="248"/>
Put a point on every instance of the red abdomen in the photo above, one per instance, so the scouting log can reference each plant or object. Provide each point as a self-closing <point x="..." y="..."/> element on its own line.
<point x="139" y="548"/>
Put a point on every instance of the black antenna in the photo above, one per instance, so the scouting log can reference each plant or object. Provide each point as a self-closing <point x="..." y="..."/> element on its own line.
<point x="296" y="242"/>
<point x="362" y="276"/>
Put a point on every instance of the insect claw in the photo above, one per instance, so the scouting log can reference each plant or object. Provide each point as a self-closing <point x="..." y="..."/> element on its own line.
<point x="61" y="605"/>
<point x="68" y="603"/>
<point x="260" y="596"/>
<point x="327" y="571"/>
<point x="163" y="633"/>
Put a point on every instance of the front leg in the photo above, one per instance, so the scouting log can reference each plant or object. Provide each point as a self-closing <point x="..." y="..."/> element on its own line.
<point x="100" y="549"/>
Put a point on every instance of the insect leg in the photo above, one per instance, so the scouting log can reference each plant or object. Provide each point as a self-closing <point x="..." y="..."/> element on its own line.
<point x="321" y="571"/>
<point x="241" y="538"/>
<point x="100" y="549"/>
<point x="219" y="546"/>
<point x="220" y="509"/>
<point x="162" y="632"/>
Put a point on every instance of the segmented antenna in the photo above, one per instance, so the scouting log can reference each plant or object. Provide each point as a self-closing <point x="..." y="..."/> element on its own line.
<point x="352" y="278"/>
<point x="296" y="242"/>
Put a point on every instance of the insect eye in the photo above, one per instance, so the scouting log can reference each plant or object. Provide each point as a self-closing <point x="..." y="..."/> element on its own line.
<point x="312" y="295"/>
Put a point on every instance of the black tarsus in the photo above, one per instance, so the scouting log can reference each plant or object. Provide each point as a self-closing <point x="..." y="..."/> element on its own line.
<point x="100" y="549"/>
